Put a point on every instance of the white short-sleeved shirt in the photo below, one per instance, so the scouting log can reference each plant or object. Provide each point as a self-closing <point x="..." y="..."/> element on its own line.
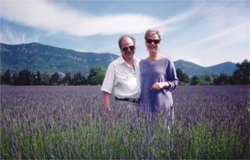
<point x="122" y="80"/>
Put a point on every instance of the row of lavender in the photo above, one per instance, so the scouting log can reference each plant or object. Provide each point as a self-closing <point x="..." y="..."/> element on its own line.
<point x="69" y="122"/>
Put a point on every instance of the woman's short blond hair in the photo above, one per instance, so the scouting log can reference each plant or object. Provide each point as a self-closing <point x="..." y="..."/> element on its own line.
<point x="152" y="32"/>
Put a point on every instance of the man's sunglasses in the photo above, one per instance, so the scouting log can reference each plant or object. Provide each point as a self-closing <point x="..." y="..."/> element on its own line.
<point x="155" y="41"/>
<point x="125" y="49"/>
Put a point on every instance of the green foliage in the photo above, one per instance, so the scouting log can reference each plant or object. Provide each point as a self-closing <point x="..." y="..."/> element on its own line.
<point x="66" y="79"/>
<point x="45" y="79"/>
<point x="119" y="140"/>
<point x="222" y="79"/>
<point x="195" y="80"/>
<point x="49" y="59"/>
<point x="205" y="143"/>
<point x="25" y="77"/>
<point x="242" y="74"/>
<point x="201" y="80"/>
<point x="96" y="76"/>
<point x="6" y="77"/>
<point x="183" y="77"/>
<point x="79" y="79"/>
<point x="54" y="79"/>
<point x="71" y="125"/>
<point x="37" y="79"/>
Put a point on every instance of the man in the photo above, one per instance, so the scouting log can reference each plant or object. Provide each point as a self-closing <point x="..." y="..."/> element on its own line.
<point x="122" y="76"/>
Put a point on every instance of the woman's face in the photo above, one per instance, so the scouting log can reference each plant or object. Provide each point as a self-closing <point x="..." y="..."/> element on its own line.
<point x="153" y="43"/>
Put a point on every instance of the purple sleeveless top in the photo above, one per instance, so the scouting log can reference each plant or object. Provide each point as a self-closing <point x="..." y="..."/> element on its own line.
<point x="157" y="71"/>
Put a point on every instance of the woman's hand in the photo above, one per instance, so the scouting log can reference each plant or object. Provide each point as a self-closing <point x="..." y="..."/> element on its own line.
<point x="160" y="85"/>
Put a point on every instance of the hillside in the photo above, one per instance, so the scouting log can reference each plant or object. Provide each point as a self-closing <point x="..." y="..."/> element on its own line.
<point x="226" y="67"/>
<point x="44" y="58"/>
<point x="193" y="69"/>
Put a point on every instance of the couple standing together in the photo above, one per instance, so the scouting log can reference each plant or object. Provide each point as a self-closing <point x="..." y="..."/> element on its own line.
<point x="148" y="82"/>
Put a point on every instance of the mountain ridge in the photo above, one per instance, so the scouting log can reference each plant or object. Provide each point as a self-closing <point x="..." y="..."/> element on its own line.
<point x="45" y="58"/>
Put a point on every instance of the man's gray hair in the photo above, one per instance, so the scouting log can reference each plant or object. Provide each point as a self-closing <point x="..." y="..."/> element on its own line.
<point x="124" y="36"/>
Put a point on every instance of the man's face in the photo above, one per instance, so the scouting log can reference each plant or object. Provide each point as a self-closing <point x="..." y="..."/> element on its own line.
<point x="127" y="48"/>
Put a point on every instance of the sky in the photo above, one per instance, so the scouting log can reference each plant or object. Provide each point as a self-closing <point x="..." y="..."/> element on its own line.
<point x="206" y="32"/>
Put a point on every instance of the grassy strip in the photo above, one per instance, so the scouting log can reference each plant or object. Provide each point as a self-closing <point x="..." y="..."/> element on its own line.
<point x="121" y="139"/>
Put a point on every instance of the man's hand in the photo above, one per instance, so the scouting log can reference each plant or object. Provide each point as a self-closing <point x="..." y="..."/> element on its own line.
<point x="105" y="111"/>
<point x="160" y="85"/>
<point x="108" y="108"/>
<point x="106" y="101"/>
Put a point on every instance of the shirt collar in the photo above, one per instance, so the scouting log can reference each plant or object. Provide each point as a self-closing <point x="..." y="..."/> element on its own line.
<point x="122" y="61"/>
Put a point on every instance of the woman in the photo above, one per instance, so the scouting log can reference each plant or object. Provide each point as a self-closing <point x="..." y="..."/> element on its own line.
<point x="158" y="77"/>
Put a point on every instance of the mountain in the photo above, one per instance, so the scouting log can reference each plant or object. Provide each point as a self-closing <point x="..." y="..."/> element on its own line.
<point x="44" y="58"/>
<point x="193" y="69"/>
<point x="226" y="67"/>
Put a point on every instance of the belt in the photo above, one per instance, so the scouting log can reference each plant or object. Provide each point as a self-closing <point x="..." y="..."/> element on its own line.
<point x="134" y="100"/>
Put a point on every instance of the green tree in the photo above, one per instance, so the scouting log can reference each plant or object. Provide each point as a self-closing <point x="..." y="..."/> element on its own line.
<point x="202" y="80"/>
<point x="195" y="80"/>
<point x="37" y="78"/>
<point x="66" y="79"/>
<point x="6" y="77"/>
<point x="45" y="79"/>
<point x="54" y="79"/>
<point x="222" y="79"/>
<point x="24" y="77"/>
<point x="183" y="77"/>
<point x="78" y="79"/>
<point x="96" y="76"/>
<point x="208" y="79"/>
<point x="15" y="78"/>
<point x="242" y="74"/>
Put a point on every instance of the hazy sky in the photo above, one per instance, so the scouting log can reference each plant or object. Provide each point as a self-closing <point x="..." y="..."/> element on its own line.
<point x="205" y="32"/>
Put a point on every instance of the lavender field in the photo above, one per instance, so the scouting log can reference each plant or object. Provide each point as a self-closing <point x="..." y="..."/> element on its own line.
<point x="68" y="122"/>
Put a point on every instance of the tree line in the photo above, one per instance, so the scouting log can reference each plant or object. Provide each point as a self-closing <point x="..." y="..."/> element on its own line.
<point x="96" y="76"/>
<point x="240" y="76"/>
<point x="26" y="77"/>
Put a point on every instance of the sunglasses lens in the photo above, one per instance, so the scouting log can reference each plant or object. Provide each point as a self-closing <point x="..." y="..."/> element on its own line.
<point x="155" y="41"/>
<point x="125" y="49"/>
<point x="132" y="47"/>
